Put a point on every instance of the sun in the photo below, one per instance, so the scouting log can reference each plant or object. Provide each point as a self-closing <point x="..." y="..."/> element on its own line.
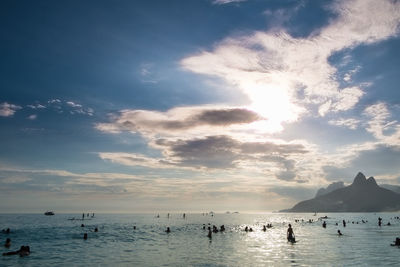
<point x="273" y="102"/>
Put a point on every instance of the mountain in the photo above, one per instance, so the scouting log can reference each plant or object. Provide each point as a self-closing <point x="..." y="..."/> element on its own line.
<point x="394" y="188"/>
<point x="363" y="195"/>
<point x="330" y="188"/>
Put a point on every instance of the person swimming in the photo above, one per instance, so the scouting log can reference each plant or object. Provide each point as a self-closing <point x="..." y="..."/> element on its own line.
<point x="339" y="233"/>
<point x="246" y="229"/>
<point x="290" y="234"/>
<point x="324" y="224"/>
<point x="82" y="225"/>
<point x="6" y="231"/>
<point x="396" y="242"/>
<point x="23" y="251"/>
<point x="85" y="236"/>
<point x="134" y="227"/>
<point x="209" y="235"/>
<point x="215" y="230"/>
<point x="264" y="228"/>
<point x="168" y="230"/>
<point x="8" y="243"/>
<point x="96" y="230"/>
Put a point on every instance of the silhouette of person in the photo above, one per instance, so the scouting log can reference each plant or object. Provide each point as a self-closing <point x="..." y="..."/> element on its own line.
<point x="8" y="243"/>
<point x="85" y="236"/>
<point x="344" y="223"/>
<point x="379" y="221"/>
<point x="168" y="230"/>
<point x="290" y="234"/>
<point x="209" y="235"/>
<point x="324" y="224"/>
<point x="23" y="251"/>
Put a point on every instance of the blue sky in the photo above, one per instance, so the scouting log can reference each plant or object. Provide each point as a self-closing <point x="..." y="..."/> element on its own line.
<point x="152" y="106"/>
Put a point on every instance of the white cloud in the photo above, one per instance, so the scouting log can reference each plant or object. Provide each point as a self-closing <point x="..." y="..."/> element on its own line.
<point x="223" y="2"/>
<point x="52" y="101"/>
<point x="32" y="117"/>
<point x="36" y="106"/>
<point x="272" y="67"/>
<point x="348" y="75"/>
<point x="73" y="104"/>
<point x="8" y="110"/>
<point x="182" y="121"/>
<point x="349" y="123"/>
<point x="379" y="125"/>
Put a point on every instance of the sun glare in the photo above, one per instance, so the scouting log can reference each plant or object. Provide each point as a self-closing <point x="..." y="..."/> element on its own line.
<point x="273" y="102"/>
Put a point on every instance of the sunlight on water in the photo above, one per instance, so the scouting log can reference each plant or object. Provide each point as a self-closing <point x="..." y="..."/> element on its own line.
<point x="58" y="241"/>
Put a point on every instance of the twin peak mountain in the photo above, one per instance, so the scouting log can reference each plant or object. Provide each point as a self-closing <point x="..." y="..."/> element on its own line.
<point x="363" y="195"/>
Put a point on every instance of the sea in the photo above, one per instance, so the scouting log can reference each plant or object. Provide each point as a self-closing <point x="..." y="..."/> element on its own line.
<point x="58" y="240"/>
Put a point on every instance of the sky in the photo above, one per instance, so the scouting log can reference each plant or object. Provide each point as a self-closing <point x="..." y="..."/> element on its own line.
<point x="194" y="106"/>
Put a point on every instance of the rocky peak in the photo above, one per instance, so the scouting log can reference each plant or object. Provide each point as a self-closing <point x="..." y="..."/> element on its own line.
<point x="360" y="179"/>
<point x="372" y="181"/>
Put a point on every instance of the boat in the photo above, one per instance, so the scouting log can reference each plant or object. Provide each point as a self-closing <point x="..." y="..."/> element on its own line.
<point x="49" y="213"/>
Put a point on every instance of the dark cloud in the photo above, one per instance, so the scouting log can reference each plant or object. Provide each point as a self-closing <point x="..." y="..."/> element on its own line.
<point x="225" y="152"/>
<point x="210" y="152"/>
<point x="178" y="119"/>
<point x="226" y="116"/>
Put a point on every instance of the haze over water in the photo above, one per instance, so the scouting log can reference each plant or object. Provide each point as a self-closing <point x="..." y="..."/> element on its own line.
<point x="57" y="241"/>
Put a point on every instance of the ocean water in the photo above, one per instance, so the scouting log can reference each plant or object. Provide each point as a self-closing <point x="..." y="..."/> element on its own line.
<point x="57" y="241"/>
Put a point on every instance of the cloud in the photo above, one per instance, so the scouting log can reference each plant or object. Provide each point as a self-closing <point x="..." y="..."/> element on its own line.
<point x="223" y="2"/>
<point x="379" y="123"/>
<point x="52" y="101"/>
<point x="72" y="104"/>
<point x="217" y="152"/>
<point x="348" y="75"/>
<point x="380" y="162"/>
<point x="183" y="119"/>
<point x="36" y="106"/>
<point x="8" y="110"/>
<point x="349" y="123"/>
<point x="273" y="67"/>
<point x="32" y="117"/>
<point x="147" y="73"/>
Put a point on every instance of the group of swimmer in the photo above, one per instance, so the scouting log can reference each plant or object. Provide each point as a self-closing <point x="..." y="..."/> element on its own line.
<point x="87" y="215"/>
<point x="23" y="251"/>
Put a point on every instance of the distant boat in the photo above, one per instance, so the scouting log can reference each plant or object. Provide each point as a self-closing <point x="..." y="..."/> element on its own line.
<point x="49" y="213"/>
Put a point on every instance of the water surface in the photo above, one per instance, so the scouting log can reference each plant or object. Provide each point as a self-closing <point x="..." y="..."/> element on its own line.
<point x="57" y="241"/>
